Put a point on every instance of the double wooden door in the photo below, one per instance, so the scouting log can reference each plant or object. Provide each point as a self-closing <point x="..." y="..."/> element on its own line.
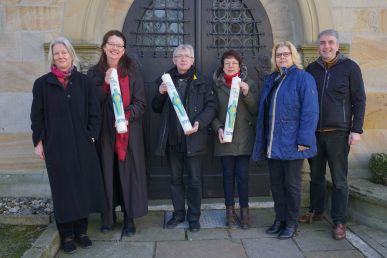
<point x="155" y="27"/>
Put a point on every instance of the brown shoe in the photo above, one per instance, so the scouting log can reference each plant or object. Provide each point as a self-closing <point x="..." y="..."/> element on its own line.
<point x="309" y="217"/>
<point x="245" y="218"/>
<point x="231" y="218"/>
<point x="339" y="231"/>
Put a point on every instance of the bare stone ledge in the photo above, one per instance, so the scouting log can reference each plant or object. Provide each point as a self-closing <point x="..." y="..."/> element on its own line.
<point x="25" y="219"/>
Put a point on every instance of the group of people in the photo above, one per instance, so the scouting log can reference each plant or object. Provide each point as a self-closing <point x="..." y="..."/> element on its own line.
<point x="314" y="114"/>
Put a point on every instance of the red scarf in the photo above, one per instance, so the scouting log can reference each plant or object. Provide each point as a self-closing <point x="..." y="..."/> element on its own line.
<point x="63" y="77"/>
<point x="228" y="78"/>
<point x="122" y="139"/>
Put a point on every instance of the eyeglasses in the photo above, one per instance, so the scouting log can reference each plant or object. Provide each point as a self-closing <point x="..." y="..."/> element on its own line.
<point x="231" y="64"/>
<point x="113" y="45"/>
<point x="284" y="54"/>
<point x="182" y="56"/>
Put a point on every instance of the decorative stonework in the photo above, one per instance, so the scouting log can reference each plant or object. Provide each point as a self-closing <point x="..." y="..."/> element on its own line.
<point x="88" y="54"/>
<point x="309" y="52"/>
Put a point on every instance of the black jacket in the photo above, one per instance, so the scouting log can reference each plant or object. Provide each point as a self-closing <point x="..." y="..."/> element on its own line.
<point x="201" y="106"/>
<point x="341" y="94"/>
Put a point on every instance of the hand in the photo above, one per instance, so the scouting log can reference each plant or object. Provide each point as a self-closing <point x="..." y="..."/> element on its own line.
<point x="108" y="75"/>
<point x="39" y="150"/>
<point x="302" y="147"/>
<point x="353" y="138"/>
<point x="126" y="122"/>
<point x="221" y="135"/>
<point x="244" y="88"/>
<point x="194" y="129"/>
<point x="163" y="88"/>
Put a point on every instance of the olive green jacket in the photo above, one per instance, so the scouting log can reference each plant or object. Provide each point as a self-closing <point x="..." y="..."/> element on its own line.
<point x="247" y="110"/>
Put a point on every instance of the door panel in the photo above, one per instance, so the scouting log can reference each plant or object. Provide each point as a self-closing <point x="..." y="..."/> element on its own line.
<point x="155" y="27"/>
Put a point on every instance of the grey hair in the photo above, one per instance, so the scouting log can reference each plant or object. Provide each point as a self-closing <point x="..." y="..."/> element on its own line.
<point x="329" y="32"/>
<point x="65" y="42"/>
<point x="184" y="47"/>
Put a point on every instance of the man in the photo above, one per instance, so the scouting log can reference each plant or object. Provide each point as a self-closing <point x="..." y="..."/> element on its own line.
<point x="185" y="149"/>
<point x="342" y="105"/>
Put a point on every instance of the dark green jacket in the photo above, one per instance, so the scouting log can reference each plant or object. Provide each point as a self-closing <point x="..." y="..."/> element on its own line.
<point x="247" y="109"/>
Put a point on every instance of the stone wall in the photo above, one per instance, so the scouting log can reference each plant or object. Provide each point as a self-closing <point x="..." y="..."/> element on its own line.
<point x="25" y="25"/>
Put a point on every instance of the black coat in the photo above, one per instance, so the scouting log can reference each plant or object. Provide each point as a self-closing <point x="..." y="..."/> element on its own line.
<point x="65" y="121"/>
<point x="131" y="171"/>
<point x="341" y="94"/>
<point x="200" y="105"/>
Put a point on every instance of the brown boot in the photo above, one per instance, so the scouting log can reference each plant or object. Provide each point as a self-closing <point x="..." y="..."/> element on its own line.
<point x="339" y="231"/>
<point x="245" y="218"/>
<point x="231" y="219"/>
<point x="309" y="217"/>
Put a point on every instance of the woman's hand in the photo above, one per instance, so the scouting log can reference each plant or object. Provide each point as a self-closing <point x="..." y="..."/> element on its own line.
<point x="302" y="147"/>
<point x="163" y="88"/>
<point x="221" y="135"/>
<point x="39" y="150"/>
<point x="244" y="88"/>
<point x="108" y="75"/>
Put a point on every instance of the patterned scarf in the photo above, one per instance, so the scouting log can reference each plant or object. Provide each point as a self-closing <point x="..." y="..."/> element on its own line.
<point x="228" y="78"/>
<point x="63" y="77"/>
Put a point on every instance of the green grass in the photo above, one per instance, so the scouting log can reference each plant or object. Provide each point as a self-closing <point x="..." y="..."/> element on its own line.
<point x="15" y="240"/>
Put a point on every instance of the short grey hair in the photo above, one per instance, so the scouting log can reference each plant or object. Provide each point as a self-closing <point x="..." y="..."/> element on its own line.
<point x="330" y="32"/>
<point x="184" y="47"/>
<point x="65" y="42"/>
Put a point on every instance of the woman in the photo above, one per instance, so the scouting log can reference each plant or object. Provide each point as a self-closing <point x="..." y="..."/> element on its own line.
<point x="285" y="134"/>
<point x="65" y="119"/>
<point x="235" y="156"/>
<point x="122" y="155"/>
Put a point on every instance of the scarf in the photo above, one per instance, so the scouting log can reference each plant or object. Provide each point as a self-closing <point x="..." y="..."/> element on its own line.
<point x="122" y="139"/>
<point x="63" y="77"/>
<point x="228" y="78"/>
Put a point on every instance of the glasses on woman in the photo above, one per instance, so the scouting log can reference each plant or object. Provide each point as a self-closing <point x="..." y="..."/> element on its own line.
<point x="113" y="45"/>
<point x="284" y="54"/>
<point x="183" y="56"/>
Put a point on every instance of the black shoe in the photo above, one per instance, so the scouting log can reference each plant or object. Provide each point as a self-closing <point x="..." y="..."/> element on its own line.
<point x="194" y="226"/>
<point x="129" y="228"/>
<point x="276" y="227"/>
<point x="84" y="241"/>
<point x="173" y="222"/>
<point x="106" y="228"/>
<point x="69" y="246"/>
<point x="288" y="232"/>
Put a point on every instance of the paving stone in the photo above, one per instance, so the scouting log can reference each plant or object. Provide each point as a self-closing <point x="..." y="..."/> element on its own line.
<point x="334" y="254"/>
<point x="261" y="217"/>
<point x="200" y="248"/>
<point x="316" y="240"/>
<point x="248" y="233"/>
<point x="372" y="237"/>
<point x="271" y="247"/>
<point x="204" y="233"/>
<point x="156" y="234"/>
<point x="208" y="219"/>
<point x="316" y="225"/>
<point x="114" y="249"/>
<point x="378" y="235"/>
<point x="95" y="233"/>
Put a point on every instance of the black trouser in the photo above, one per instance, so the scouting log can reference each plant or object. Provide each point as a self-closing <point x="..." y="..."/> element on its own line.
<point x="177" y="161"/>
<point x="236" y="167"/>
<point x="333" y="148"/>
<point x="72" y="228"/>
<point x="285" y="183"/>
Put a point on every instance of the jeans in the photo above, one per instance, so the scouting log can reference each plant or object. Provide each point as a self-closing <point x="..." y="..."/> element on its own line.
<point x="285" y="184"/>
<point x="236" y="167"/>
<point x="333" y="148"/>
<point x="177" y="161"/>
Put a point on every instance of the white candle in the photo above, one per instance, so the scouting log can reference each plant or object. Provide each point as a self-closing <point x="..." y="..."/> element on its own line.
<point x="231" y="109"/>
<point x="118" y="107"/>
<point x="176" y="102"/>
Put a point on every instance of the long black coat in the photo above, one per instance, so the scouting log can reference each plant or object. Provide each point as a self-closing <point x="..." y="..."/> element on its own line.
<point x="131" y="171"/>
<point x="65" y="121"/>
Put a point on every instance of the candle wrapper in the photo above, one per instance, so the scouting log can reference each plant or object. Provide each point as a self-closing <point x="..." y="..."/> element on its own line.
<point x="177" y="104"/>
<point x="118" y="107"/>
<point x="231" y="109"/>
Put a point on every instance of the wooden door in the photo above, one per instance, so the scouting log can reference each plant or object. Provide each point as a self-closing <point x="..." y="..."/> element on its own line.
<point x="155" y="27"/>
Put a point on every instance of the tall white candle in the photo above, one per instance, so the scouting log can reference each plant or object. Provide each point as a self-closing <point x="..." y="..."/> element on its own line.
<point x="118" y="107"/>
<point x="231" y="109"/>
<point x="176" y="102"/>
